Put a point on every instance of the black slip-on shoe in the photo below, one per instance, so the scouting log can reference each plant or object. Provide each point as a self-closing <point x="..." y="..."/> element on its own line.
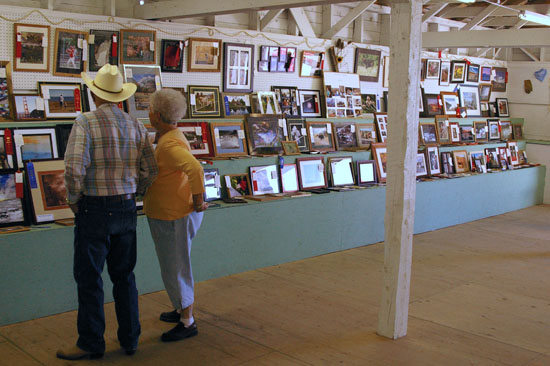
<point x="180" y="332"/>
<point x="170" y="316"/>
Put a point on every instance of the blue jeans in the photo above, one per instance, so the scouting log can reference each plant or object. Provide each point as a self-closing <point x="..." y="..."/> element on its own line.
<point x="173" y="245"/>
<point x="105" y="230"/>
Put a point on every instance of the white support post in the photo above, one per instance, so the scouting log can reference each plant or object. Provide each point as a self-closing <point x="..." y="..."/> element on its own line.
<point x="358" y="28"/>
<point x="302" y="22"/>
<point x="109" y="8"/>
<point x="433" y="27"/>
<point x="453" y="51"/>
<point x="434" y="10"/>
<point x="254" y="20"/>
<point x="47" y="4"/>
<point x="385" y="23"/>
<point x="210" y="20"/>
<point x="327" y="18"/>
<point x="347" y="19"/>
<point x="405" y="46"/>
<point x="269" y="17"/>
<point x="292" y="27"/>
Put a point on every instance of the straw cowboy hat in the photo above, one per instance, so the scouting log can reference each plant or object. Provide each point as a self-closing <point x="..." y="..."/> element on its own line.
<point x="108" y="84"/>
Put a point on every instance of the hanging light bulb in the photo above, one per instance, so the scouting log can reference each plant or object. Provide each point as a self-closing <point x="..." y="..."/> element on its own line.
<point x="141" y="2"/>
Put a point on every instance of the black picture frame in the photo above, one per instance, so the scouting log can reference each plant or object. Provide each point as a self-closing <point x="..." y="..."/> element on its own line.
<point x="15" y="209"/>
<point x="171" y="56"/>
<point x="103" y="42"/>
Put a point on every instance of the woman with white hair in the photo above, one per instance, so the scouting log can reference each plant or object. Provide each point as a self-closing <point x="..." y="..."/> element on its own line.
<point x="173" y="205"/>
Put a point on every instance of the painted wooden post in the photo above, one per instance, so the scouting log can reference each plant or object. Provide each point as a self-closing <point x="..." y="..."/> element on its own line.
<point x="405" y="44"/>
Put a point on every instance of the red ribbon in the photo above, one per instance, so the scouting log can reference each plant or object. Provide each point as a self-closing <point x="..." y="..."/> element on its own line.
<point x="8" y="142"/>
<point x="114" y="46"/>
<point x="77" y="100"/>
<point x="255" y="184"/>
<point x="203" y="128"/>
<point x="467" y="61"/>
<point x="439" y="53"/>
<point x="506" y="78"/>
<point x="458" y="112"/>
<point x="19" y="185"/>
<point x="18" y="48"/>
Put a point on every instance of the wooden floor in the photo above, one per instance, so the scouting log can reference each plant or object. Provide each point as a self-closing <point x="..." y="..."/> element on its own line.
<point x="480" y="295"/>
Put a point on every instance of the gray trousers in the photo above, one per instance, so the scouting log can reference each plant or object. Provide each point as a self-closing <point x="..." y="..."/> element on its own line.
<point x="173" y="245"/>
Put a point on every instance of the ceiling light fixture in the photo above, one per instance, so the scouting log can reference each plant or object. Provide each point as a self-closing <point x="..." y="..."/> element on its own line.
<point x="141" y="2"/>
<point x="534" y="17"/>
<point x="467" y="1"/>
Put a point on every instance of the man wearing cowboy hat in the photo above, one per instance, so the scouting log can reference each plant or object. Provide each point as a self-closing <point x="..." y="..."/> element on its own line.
<point x="108" y="160"/>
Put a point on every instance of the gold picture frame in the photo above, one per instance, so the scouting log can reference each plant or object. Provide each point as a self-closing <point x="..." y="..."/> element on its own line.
<point x="204" y="55"/>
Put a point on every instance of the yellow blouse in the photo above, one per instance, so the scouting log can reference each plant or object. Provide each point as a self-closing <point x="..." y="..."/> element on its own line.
<point x="180" y="176"/>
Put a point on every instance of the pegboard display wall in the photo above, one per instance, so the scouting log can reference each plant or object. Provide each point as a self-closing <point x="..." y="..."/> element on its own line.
<point x="27" y="81"/>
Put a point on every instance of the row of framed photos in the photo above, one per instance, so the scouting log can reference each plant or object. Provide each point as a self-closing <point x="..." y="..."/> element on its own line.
<point x="463" y="71"/>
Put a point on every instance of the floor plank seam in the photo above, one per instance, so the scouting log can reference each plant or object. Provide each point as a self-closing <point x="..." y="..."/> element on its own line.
<point x="9" y="341"/>
<point x="482" y="336"/>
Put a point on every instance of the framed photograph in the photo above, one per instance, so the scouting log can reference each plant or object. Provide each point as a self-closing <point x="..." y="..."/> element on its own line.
<point x="485" y="73"/>
<point x="12" y="208"/>
<point x="500" y="79"/>
<point x="68" y="52"/>
<point x="289" y="178"/>
<point x="264" y="135"/>
<point x="469" y="100"/>
<point x="62" y="132"/>
<point x="445" y="74"/>
<point x="513" y="149"/>
<point x="313" y="64"/>
<point x="428" y="133"/>
<point x="494" y="129"/>
<point x="31" y="47"/>
<point x="6" y="150"/>
<point x="26" y="108"/>
<point x="204" y="55"/>
<point x="148" y="80"/>
<point x="6" y="93"/>
<point x="346" y="136"/>
<point x="310" y="102"/>
<point x="61" y="100"/>
<point x="447" y="162"/>
<point x="458" y="71"/>
<point x="89" y="104"/>
<point x="264" y="179"/>
<point x="473" y="73"/>
<point x="484" y="107"/>
<point x="503" y="157"/>
<point x="477" y="162"/>
<point x="35" y="144"/>
<point x="267" y="103"/>
<point x="341" y="171"/>
<point x="379" y="152"/>
<point x="237" y="185"/>
<point x="492" y="158"/>
<point x="49" y="195"/>
<point x="366" y="134"/>
<point x="367" y="64"/>
<point x="460" y="159"/>
<point x="311" y="173"/>
<point x="137" y="46"/>
<point x="506" y="133"/>
<point x="431" y="105"/>
<point x="236" y="105"/>
<point x="320" y="136"/>
<point x="443" y="132"/>
<point x="450" y="103"/>
<point x="238" y="73"/>
<point x="212" y="186"/>
<point x="454" y="129"/>
<point x="102" y="48"/>
<point x="421" y="168"/>
<point x="287" y="97"/>
<point x="517" y="129"/>
<point x="204" y="101"/>
<point x="493" y="109"/>
<point x="171" y="57"/>
<point x="369" y="103"/>
<point x="432" y="68"/>
<point x="199" y="138"/>
<point x="366" y="172"/>
<point x="228" y="138"/>
<point x="467" y="133"/>
<point x="381" y="120"/>
<point x="296" y="129"/>
<point x="502" y="107"/>
<point x="290" y="148"/>
<point x="481" y="131"/>
<point x="485" y="92"/>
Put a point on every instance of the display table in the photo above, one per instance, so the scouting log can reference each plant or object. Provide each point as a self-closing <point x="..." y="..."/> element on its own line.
<point x="36" y="266"/>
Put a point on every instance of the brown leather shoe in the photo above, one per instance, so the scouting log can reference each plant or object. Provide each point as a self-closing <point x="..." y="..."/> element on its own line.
<point x="76" y="353"/>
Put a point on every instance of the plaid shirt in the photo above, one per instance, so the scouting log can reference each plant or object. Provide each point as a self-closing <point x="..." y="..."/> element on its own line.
<point x="108" y="154"/>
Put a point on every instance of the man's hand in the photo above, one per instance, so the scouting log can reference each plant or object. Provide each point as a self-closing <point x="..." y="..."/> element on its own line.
<point x="198" y="204"/>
